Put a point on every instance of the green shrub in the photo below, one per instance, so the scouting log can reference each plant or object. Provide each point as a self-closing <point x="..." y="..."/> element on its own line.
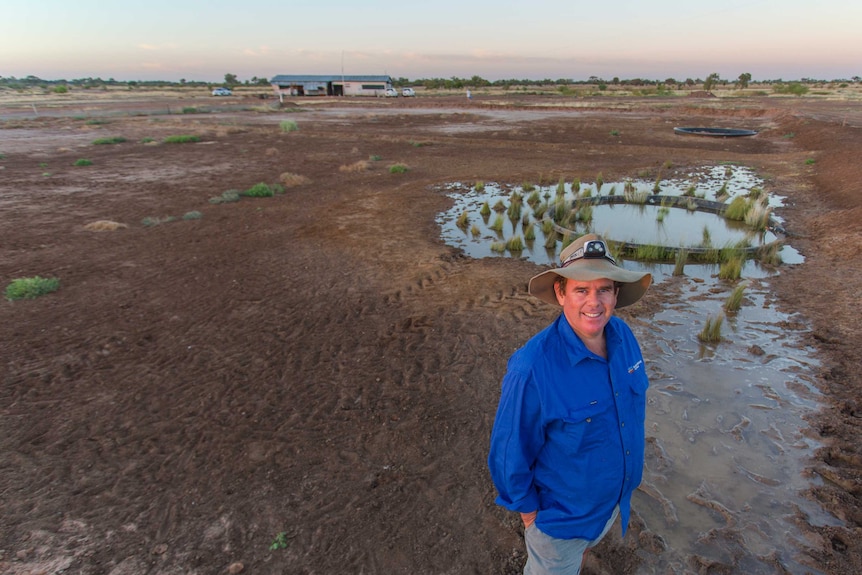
<point x="515" y="244"/>
<point x="731" y="269"/>
<point x="374" y="158"/>
<point x="193" y="215"/>
<point x="181" y="139"/>
<point x="737" y="209"/>
<point x="529" y="232"/>
<point x="190" y="110"/>
<point x="60" y="89"/>
<point x="485" y="211"/>
<point x="261" y="190"/>
<point x="83" y="162"/>
<point x="108" y="141"/>
<point x="288" y="126"/>
<point x="29" y="288"/>
<point x="398" y="169"/>
<point x="463" y="220"/>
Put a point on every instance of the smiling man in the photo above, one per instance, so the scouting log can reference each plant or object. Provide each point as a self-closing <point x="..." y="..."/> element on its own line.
<point x="567" y="447"/>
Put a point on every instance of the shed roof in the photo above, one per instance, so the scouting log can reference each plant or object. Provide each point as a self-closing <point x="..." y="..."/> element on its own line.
<point x="298" y="78"/>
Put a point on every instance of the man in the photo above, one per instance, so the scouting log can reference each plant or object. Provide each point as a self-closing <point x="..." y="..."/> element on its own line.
<point x="567" y="447"/>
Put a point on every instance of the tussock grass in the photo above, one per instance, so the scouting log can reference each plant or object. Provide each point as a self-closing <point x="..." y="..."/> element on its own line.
<point x="485" y="211"/>
<point x="498" y="247"/>
<point x="731" y="269"/>
<point x="529" y="232"/>
<point x="193" y="215"/>
<point x="463" y="220"/>
<point x="355" y="167"/>
<point x="108" y="141"/>
<point x="291" y="180"/>
<point x="497" y="226"/>
<point x="83" y="162"/>
<point x="515" y="244"/>
<point x="711" y="332"/>
<point x="30" y="288"/>
<point x="758" y="217"/>
<point x="479" y="186"/>
<point x="104" y="226"/>
<point x="737" y="209"/>
<point x="475" y="231"/>
<point x="398" y="168"/>
<point x="734" y="300"/>
<point x="679" y="262"/>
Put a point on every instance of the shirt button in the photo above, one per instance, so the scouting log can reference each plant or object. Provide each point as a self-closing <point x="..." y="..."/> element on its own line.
<point x="628" y="452"/>
<point x="623" y="424"/>
<point x="589" y="419"/>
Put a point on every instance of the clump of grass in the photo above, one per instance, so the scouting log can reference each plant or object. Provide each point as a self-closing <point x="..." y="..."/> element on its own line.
<point x="662" y="214"/>
<point x="734" y="300"/>
<point x="615" y="132"/>
<point x="515" y="244"/>
<point x="514" y="211"/>
<point x="109" y="141"/>
<point x="83" y="162"/>
<point x="651" y="252"/>
<point x="498" y="247"/>
<point x="104" y="226"/>
<point x="193" y="215"/>
<point x="499" y="206"/>
<point x="190" y="110"/>
<point x="151" y="221"/>
<point x="561" y="210"/>
<point x="485" y="211"/>
<point x="551" y="240"/>
<point x="534" y="199"/>
<point x="463" y="220"/>
<point x="30" y="288"/>
<point x="475" y="231"/>
<point x="497" y="226"/>
<point x="758" y="217"/>
<point x="226" y="197"/>
<point x="810" y="161"/>
<point x="706" y="238"/>
<point x="96" y="122"/>
<point x="398" y="168"/>
<point x="711" y="332"/>
<point x="288" y="126"/>
<point x="148" y="140"/>
<point x="600" y="180"/>
<point x="737" y="209"/>
<point x="290" y="180"/>
<point x="731" y="269"/>
<point x="632" y="195"/>
<point x="374" y="158"/>
<point x="770" y="254"/>
<point x="561" y="186"/>
<point x="360" y="166"/>
<point x="529" y="232"/>
<point x="528" y="187"/>
<point x="479" y="186"/>
<point x="679" y="262"/>
<point x="181" y="139"/>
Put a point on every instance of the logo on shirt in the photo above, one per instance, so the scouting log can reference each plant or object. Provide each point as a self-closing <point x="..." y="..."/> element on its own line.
<point x="636" y="366"/>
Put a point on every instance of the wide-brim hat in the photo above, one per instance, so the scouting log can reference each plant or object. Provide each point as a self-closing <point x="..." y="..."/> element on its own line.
<point x="587" y="259"/>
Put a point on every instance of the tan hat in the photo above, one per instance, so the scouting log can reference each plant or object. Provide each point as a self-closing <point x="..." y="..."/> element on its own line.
<point x="587" y="259"/>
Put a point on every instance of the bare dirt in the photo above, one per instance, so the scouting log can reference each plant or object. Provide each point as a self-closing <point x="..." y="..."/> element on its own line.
<point x="317" y="371"/>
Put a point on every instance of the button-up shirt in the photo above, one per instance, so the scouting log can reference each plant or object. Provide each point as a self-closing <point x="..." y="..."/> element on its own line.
<point x="568" y="437"/>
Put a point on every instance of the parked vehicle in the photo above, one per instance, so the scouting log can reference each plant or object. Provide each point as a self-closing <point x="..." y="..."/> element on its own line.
<point x="222" y="92"/>
<point x="391" y="93"/>
<point x="408" y="92"/>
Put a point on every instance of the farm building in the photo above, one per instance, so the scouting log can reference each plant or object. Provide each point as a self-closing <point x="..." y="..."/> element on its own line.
<point x="294" y="85"/>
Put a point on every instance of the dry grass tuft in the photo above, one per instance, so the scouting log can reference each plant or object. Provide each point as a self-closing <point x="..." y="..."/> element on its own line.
<point x="104" y="226"/>
<point x="271" y="151"/>
<point x="290" y="179"/>
<point x="360" y="166"/>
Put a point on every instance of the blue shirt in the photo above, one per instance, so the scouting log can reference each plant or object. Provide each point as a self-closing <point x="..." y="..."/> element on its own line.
<point x="568" y="437"/>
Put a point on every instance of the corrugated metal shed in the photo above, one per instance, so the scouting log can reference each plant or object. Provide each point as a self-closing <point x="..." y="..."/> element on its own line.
<point x="330" y="85"/>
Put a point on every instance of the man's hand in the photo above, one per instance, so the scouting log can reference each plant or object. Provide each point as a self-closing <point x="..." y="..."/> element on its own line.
<point x="529" y="518"/>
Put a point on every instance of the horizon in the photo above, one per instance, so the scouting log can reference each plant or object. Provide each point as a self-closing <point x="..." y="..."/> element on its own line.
<point x="549" y="39"/>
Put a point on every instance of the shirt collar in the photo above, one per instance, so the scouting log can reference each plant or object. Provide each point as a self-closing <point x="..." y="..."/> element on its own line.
<point x="575" y="348"/>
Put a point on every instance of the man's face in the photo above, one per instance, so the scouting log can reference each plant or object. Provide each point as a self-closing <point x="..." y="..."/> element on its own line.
<point x="588" y="306"/>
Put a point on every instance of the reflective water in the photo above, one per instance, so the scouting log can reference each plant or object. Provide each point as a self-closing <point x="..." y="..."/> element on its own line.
<point x="727" y="444"/>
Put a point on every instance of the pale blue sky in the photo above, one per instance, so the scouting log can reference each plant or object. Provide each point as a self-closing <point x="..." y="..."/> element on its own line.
<point x="535" y="39"/>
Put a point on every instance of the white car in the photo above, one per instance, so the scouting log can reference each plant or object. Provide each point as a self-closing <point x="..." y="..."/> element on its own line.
<point x="222" y="92"/>
<point x="408" y="92"/>
<point x="391" y="93"/>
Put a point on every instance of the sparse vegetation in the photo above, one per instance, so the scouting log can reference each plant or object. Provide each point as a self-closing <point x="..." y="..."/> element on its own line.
<point x="30" y="288"/>
<point x="398" y="168"/>
<point x="109" y="141"/>
<point x="734" y="300"/>
<point x="515" y="244"/>
<point x="83" y="162"/>
<point x="226" y="197"/>
<point x="193" y="215"/>
<point x="181" y="139"/>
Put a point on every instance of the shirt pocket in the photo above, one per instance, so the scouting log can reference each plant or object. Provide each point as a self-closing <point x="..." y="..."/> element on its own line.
<point x="584" y="427"/>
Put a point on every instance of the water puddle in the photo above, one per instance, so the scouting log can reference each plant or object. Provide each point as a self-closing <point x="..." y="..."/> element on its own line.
<point x="727" y="448"/>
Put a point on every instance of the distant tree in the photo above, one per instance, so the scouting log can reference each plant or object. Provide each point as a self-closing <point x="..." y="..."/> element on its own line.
<point x="670" y="81"/>
<point x="711" y="81"/>
<point x="743" y="80"/>
<point x="230" y="79"/>
<point x="856" y="79"/>
<point x="689" y="82"/>
<point x="615" y="81"/>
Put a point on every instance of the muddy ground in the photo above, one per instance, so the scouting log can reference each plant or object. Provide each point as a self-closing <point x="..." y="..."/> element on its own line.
<point x="306" y="383"/>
